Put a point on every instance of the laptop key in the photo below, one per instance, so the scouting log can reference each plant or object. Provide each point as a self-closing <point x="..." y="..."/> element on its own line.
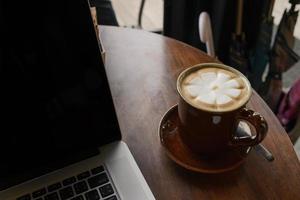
<point x="78" y="198"/>
<point x="24" y="197"/>
<point x="112" y="198"/>
<point x="106" y="190"/>
<point x="52" y="196"/>
<point x="80" y="187"/>
<point x="97" y="180"/>
<point x="39" y="192"/>
<point x="97" y="170"/>
<point x="92" y="195"/>
<point x="54" y="187"/>
<point x="83" y="175"/>
<point x="69" y="181"/>
<point x="66" y="193"/>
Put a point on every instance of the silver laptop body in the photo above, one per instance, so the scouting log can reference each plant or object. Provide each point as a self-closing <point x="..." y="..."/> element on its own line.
<point x="123" y="173"/>
<point x="56" y="105"/>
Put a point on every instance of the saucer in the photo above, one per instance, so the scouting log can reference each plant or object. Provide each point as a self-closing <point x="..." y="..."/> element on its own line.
<point x="179" y="153"/>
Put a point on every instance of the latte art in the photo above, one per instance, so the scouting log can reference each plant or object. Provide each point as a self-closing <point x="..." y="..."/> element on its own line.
<point x="214" y="88"/>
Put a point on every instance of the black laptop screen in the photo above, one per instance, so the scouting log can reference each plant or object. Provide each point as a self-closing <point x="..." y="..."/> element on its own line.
<point x="55" y="100"/>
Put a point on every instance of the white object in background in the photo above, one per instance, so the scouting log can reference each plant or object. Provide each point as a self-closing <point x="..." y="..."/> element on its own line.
<point x="205" y="33"/>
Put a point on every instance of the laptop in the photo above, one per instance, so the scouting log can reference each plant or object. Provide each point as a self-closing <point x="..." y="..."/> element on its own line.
<point x="59" y="137"/>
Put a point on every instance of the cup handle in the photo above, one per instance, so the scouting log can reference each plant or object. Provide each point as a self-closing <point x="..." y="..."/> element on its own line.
<point x="260" y="124"/>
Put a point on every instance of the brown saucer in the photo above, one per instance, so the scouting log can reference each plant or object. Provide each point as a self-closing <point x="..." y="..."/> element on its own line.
<point x="179" y="153"/>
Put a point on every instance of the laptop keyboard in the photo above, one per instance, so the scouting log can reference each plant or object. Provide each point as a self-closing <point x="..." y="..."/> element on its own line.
<point x="88" y="185"/>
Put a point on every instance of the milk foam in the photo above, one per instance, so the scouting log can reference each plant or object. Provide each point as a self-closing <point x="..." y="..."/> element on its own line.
<point x="213" y="87"/>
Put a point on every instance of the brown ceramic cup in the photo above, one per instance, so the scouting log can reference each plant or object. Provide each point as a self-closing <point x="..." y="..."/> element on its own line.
<point x="210" y="131"/>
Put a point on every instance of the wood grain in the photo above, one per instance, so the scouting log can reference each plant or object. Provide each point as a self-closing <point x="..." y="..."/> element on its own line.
<point x="142" y="70"/>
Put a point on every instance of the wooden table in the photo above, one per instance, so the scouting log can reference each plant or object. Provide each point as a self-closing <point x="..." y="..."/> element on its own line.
<point x="142" y="69"/>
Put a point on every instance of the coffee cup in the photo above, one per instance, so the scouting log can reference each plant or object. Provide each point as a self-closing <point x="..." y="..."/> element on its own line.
<point x="212" y="102"/>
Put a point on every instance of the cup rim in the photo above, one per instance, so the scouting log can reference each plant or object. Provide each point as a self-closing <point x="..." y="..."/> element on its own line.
<point x="216" y="65"/>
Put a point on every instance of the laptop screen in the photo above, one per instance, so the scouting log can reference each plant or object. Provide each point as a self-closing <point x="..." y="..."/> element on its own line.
<point x="56" y="106"/>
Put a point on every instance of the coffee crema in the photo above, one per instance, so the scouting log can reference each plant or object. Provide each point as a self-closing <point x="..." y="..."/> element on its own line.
<point x="215" y="89"/>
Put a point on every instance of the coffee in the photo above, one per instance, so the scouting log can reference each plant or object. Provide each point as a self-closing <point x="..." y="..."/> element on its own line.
<point x="212" y="102"/>
<point x="215" y="89"/>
